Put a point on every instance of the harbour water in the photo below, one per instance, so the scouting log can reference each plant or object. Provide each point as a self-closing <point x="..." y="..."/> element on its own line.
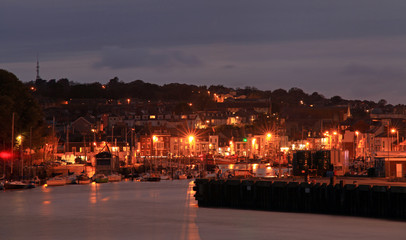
<point x="163" y="210"/>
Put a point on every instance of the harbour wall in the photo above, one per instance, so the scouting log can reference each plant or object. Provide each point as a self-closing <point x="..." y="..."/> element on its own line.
<point x="351" y="199"/>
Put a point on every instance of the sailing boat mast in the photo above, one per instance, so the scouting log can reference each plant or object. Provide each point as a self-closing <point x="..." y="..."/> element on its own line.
<point x="53" y="139"/>
<point x="12" y="143"/>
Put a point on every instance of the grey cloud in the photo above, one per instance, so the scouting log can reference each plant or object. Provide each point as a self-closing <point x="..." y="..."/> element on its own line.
<point x="61" y="27"/>
<point x="230" y="66"/>
<point x="119" y="58"/>
<point x="382" y="72"/>
<point x="268" y="44"/>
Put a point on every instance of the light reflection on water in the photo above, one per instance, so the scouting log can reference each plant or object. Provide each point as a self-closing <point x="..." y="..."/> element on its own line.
<point x="189" y="227"/>
<point x="163" y="210"/>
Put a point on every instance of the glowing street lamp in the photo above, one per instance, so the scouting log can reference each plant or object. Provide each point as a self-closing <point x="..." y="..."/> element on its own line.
<point x="154" y="141"/>
<point x="191" y="138"/>
<point x="19" y="139"/>
<point x="393" y="131"/>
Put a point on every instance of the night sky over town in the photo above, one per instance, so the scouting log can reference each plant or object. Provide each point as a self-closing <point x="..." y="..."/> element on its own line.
<point x="354" y="49"/>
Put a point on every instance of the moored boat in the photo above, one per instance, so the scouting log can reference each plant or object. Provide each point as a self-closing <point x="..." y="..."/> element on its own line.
<point x="182" y="176"/>
<point x="56" y="181"/>
<point x="71" y="179"/>
<point x="100" y="178"/>
<point x="83" y="179"/>
<point x="151" y="179"/>
<point x="17" y="185"/>
<point x="114" y="177"/>
<point x="165" y="177"/>
<point x="36" y="181"/>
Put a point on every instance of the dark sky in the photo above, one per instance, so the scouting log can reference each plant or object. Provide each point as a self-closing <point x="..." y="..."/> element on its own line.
<point x="355" y="49"/>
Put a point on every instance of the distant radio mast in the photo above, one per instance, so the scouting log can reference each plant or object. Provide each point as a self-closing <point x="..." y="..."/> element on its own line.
<point x="38" y="77"/>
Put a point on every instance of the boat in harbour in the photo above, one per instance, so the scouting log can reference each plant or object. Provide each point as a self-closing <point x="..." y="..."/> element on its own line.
<point x="71" y="179"/>
<point x="56" y="181"/>
<point x="100" y="178"/>
<point x="165" y="177"/>
<point x="114" y="177"/>
<point x="83" y="179"/>
<point x="151" y="178"/>
<point x="17" y="185"/>
<point x="182" y="176"/>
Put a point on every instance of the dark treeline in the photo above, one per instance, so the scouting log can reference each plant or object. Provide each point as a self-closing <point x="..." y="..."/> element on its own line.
<point x="63" y="89"/>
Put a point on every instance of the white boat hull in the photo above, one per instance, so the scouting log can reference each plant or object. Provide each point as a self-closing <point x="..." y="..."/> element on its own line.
<point x="114" y="178"/>
<point x="56" y="182"/>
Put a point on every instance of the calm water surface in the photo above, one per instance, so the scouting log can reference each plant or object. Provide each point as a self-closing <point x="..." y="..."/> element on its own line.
<point x="163" y="210"/>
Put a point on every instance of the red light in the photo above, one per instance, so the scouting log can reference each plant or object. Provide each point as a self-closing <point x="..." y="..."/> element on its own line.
<point x="5" y="155"/>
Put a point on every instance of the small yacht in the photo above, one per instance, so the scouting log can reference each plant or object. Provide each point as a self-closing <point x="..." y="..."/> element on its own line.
<point x="17" y="185"/>
<point x="83" y="179"/>
<point x="56" y="181"/>
<point x="114" y="177"/>
<point x="165" y="177"/>
<point x="71" y="179"/>
<point x="100" y="178"/>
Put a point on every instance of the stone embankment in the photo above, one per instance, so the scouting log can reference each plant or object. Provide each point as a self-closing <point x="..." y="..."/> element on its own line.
<point x="363" y="197"/>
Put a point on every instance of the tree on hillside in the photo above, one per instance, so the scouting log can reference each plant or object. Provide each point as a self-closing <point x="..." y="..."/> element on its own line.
<point x="16" y="98"/>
